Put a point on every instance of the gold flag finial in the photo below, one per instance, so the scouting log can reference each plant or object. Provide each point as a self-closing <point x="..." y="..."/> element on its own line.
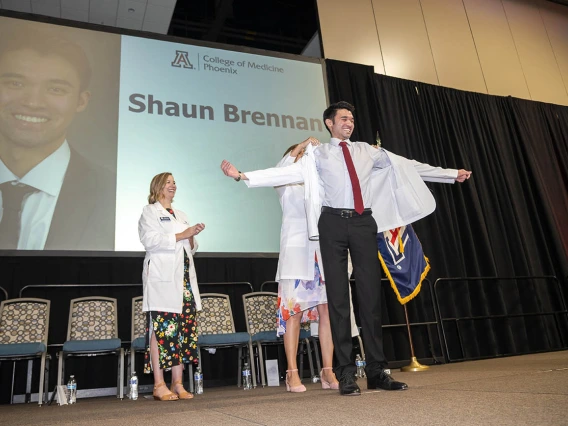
<point x="378" y="140"/>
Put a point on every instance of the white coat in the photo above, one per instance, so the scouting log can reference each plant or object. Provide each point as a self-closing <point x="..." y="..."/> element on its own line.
<point x="296" y="260"/>
<point x="162" y="274"/>
<point x="399" y="194"/>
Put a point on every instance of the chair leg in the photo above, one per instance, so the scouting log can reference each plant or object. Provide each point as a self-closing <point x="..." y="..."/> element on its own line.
<point x="252" y="366"/>
<point x="28" y="395"/>
<point x="317" y="355"/>
<point x="47" y="370"/>
<point x="301" y="366"/>
<point x="310" y="360"/>
<point x="60" y="368"/>
<point x="240" y="368"/>
<point x="190" y="373"/>
<point x="41" y="379"/>
<point x="13" y="377"/>
<point x="120" y="390"/>
<point x="261" y="364"/>
<point x="129" y="368"/>
<point x="361" y="346"/>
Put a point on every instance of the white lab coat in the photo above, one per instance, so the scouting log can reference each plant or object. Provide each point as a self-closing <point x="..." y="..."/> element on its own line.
<point x="296" y="260"/>
<point x="162" y="274"/>
<point x="399" y="194"/>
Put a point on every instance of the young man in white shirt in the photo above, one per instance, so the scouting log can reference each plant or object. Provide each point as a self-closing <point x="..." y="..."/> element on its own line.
<point x="346" y="225"/>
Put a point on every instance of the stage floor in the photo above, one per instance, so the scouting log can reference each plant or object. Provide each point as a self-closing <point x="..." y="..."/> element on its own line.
<point x="522" y="390"/>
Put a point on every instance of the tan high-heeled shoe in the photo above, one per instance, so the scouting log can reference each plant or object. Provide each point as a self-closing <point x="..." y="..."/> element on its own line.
<point x="289" y="388"/>
<point x="325" y="384"/>
<point x="182" y="395"/>
<point x="165" y="397"/>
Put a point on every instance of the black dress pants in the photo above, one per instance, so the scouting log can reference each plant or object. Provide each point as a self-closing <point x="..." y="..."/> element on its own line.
<point x="358" y="234"/>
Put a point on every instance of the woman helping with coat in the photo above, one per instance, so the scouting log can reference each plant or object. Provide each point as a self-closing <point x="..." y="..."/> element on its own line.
<point x="301" y="283"/>
<point x="171" y="295"/>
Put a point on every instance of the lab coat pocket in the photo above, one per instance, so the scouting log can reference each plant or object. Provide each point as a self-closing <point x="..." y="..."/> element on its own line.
<point x="160" y="268"/>
<point x="407" y="202"/>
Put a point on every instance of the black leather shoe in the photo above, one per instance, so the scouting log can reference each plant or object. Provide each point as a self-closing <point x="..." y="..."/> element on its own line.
<point x="383" y="380"/>
<point x="348" y="385"/>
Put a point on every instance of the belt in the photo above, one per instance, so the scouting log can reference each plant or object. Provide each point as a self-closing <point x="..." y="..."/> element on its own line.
<point x="345" y="213"/>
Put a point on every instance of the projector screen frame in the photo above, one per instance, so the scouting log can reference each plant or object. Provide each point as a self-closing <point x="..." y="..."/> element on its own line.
<point x="166" y="38"/>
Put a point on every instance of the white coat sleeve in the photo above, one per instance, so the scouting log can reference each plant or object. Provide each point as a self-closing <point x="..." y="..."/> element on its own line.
<point x="312" y="201"/>
<point x="195" y="246"/>
<point x="151" y="234"/>
<point x="195" y="243"/>
<point x="430" y="173"/>
<point x="275" y="176"/>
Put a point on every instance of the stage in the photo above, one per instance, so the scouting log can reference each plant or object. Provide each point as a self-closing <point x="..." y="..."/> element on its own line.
<point x="522" y="390"/>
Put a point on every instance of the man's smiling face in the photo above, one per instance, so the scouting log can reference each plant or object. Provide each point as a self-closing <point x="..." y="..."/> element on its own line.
<point x="342" y="125"/>
<point x="39" y="97"/>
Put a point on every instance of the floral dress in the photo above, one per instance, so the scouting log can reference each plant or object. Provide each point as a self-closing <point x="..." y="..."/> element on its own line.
<point x="300" y="297"/>
<point x="176" y="334"/>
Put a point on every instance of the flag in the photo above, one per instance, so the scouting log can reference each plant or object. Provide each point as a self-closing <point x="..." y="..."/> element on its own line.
<point x="403" y="260"/>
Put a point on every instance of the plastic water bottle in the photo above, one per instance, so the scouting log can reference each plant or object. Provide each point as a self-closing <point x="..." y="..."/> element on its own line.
<point x="198" y="378"/>
<point x="72" y="390"/>
<point x="133" y="395"/>
<point x="247" y="380"/>
<point x="360" y="364"/>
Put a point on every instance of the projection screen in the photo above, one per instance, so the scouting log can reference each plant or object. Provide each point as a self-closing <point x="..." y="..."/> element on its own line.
<point x="87" y="118"/>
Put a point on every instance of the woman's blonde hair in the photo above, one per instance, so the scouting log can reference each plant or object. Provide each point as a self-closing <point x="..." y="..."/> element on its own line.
<point x="156" y="186"/>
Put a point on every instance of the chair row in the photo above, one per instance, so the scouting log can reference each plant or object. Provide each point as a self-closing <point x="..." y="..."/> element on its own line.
<point x="217" y="330"/>
<point x="93" y="330"/>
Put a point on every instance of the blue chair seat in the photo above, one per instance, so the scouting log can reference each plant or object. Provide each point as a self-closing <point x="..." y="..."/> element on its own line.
<point x="91" y="345"/>
<point x="139" y="344"/>
<point x="266" y="336"/>
<point x="223" y="339"/>
<point x="22" y="349"/>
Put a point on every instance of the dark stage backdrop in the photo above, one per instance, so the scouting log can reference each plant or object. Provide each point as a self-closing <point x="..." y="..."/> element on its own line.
<point x="509" y="220"/>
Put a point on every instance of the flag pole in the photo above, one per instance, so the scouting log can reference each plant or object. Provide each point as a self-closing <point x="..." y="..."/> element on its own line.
<point x="414" y="364"/>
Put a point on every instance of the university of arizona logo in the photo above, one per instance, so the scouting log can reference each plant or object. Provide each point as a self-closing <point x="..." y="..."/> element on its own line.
<point x="182" y="60"/>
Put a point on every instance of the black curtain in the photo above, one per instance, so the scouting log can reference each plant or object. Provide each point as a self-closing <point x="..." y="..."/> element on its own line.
<point x="509" y="220"/>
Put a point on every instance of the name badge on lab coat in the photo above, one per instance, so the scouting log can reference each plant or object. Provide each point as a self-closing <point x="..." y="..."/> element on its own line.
<point x="165" y="219"/>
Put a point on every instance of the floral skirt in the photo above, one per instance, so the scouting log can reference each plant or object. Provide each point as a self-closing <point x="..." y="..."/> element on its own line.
<point x="300" y="297"/>
<point x="176" y="334"/>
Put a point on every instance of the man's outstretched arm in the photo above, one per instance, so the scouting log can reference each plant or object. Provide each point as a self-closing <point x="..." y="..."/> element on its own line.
<point x="274" y="176"/>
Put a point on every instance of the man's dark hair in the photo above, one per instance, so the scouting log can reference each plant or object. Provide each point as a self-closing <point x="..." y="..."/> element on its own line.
<point x="46" y="44"/>
<point x="329" y="113"/>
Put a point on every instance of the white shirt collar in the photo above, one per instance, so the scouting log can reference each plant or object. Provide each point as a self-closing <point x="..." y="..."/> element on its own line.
<point x="335" y="141"/>
<point x="47" y="176"/>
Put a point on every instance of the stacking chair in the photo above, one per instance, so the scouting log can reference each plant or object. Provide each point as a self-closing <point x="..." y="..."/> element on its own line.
<point x="137" y="335"/>
<point x="93" y="330"/>
<point x="24" y="324"/>
<point x="260" y="314"/>
<point x="217" y="330"/>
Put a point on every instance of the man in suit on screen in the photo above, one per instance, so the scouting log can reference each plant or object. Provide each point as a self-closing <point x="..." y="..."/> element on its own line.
<point x="51" y="196"/>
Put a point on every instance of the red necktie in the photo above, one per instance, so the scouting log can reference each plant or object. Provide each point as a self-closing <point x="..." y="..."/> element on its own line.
<point x="357" y="197"/>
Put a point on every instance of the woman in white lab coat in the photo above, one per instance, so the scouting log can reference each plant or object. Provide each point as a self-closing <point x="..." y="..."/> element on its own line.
<point x="301" y="284"/>
<point x="171" y="296"/>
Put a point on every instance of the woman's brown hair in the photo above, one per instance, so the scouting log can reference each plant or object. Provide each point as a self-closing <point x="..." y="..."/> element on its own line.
<point x="156" y="186"/>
